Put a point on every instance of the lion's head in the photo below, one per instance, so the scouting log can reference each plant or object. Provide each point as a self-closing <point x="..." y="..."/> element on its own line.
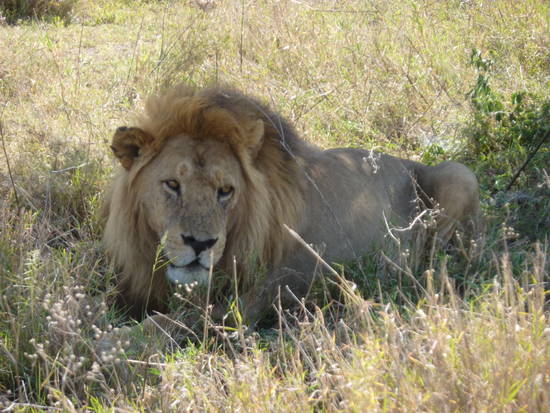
<point x="207" y="176"/>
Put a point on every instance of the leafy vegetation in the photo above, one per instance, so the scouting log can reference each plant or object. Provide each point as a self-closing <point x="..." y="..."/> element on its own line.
<point x="505" y="130"/>
<point x="510" y="143"/>
<point x="459" y="330"/>
<point x="13" y="10"/>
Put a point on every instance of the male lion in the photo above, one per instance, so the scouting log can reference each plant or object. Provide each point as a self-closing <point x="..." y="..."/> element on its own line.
<point x="211" y="175"/>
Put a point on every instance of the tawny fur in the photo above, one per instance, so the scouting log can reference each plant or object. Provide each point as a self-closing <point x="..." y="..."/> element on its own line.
<point x="274" y="195"/>
<point x="337" y="199"/>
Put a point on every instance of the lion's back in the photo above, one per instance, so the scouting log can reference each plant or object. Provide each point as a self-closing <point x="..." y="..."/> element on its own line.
<point x="351" y="195"/>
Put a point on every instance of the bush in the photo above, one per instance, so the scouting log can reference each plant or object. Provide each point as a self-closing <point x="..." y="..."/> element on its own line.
<point x="506" y="129"/>
<point x="508" y="146"/>
<point x="13" y="10"/>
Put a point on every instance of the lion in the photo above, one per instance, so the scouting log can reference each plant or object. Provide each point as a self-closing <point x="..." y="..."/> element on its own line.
<point x="211" y="176"/>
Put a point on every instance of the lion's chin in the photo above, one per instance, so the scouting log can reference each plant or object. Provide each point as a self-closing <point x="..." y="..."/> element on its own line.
<point x="187" y="274"/>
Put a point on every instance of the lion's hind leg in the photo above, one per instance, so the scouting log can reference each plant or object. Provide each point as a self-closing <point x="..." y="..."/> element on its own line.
<point x="453" y="189"/>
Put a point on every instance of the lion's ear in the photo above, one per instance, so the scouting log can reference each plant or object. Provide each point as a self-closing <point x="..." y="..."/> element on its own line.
<point x="255" y="137"/>
<point x="128" y="143"/>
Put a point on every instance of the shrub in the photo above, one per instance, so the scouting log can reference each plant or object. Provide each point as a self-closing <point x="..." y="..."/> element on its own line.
<point x="506" y="129"/>
<point x="508" y="144"/>
<point x="13" y="10"/>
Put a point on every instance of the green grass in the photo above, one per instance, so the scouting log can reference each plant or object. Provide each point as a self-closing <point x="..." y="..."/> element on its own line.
<point x="462" y="330"/>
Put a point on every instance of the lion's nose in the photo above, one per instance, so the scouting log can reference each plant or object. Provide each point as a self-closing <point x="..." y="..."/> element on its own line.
<point x="198" y="246"/>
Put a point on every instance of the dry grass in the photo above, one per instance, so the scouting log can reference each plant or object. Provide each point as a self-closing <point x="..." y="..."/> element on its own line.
<point x="470" y="334"/>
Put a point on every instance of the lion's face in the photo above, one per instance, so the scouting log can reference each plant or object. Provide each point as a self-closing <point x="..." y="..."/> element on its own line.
<point x="188" y="192"/>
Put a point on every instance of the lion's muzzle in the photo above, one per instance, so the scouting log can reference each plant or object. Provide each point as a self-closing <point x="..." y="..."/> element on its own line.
<point x="196" y="245"/>
<point x="191" y="258"/>
<point x="190" y="273"/>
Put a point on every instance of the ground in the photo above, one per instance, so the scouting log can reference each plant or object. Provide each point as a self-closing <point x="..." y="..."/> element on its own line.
<point x="465" y="329"/>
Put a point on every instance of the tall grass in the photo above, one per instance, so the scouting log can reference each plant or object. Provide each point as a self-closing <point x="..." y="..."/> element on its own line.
<point x="461" y="330"/>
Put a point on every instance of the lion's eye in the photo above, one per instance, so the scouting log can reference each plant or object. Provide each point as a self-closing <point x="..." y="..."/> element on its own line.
<point x="172" y="184"/>
<point x="225" y="192"/>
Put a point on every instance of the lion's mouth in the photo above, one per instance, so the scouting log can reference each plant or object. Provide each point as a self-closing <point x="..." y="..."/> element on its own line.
<point x="193" y="272"/>
<point x="193" y="265"/>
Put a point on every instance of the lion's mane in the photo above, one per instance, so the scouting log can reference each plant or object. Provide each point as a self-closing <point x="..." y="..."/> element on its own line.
<point x="273" y="195"/>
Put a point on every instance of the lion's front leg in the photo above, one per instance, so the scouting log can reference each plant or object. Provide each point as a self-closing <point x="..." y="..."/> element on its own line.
<point x="283" y="289"/>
